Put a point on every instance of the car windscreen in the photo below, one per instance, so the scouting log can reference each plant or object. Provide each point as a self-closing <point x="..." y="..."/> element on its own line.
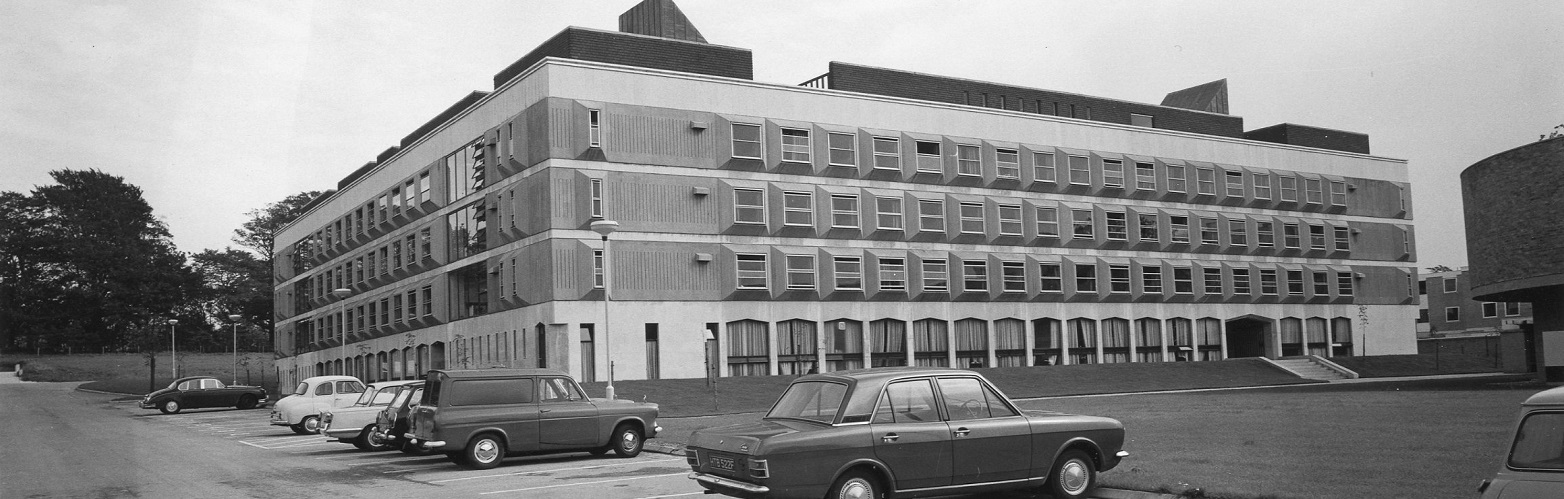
<point x="366" y="397"/>
<point x="812" y="400"/>
<point x="1539" y="443"/>
<point x="401" y="398"/>
<point x="385" y="395"/>
<point x="302" y="389"/>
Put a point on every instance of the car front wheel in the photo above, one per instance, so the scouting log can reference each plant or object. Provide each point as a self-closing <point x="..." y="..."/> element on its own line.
<point x="246" y="402"/>
<point x="370" y="442"/>
<point x="170" y="407"/>
<point x="855" y="485"/>
<point x="484" y="452"/>
<point x="1073" y="475"/>
<point x="626" y="441"/>
<point x="310" y="424"/>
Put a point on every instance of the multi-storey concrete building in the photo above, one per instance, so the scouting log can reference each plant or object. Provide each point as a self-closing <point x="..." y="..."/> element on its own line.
<point x="868" y="217"/>
<point x="1447" y="307"/>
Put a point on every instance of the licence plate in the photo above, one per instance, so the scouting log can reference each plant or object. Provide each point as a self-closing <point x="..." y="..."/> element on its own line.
<point x="721" y="463"/>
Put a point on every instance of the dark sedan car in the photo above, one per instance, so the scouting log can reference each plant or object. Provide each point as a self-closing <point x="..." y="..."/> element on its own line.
<point x="198" y="392"/>
<point x="907" y="432"/>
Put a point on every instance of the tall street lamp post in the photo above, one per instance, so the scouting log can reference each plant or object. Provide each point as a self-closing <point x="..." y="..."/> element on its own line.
<point x="342" y="330"/>
<point x="235" y="318"/>
<point x="173" y="356"/>
<point x="604" y="228"/>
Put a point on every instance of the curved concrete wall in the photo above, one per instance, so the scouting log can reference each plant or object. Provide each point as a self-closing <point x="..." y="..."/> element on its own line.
<point x="1515" y="221"/>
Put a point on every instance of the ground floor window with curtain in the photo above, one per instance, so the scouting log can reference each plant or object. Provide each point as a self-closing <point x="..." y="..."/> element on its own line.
<point x="1082" y="335"/>
<point x="1148" y="340"/>
<point x="1115" y="341"/>
<point x="748" y="348"/>
<point x="1047" y="338"/>
<point x="930" y="345"/>
<point x="887" y="343"/>
<point x="971" y="343"/>
<point x="843" y="345"/>
<point x="1210" y="338"/>
<point x="796" y="342"/>
<point x="1010" y="342"/>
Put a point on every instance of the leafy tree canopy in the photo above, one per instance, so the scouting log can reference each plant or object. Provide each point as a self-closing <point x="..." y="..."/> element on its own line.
<point x="259" y="234"/>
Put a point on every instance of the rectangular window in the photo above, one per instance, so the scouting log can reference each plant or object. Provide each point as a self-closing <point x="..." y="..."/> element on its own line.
<point x="396" y="201"/>
<point x="1183" y="280"/>
<point x="1449" y="284"/>
<point x="383" y="205"/>
<point x="1085" y="278"/>
<point x="594" y="128"/>
<point x="1047" y="222"/>
<point x="1118" y="278"/>
<point x="1321" y="284"/>
<point x="1007" y="163"/>
<point x="971" y="218"/>
<point x="1240" y="281"/>
<point x="974" y="275"/>
<point x="1014" y="276"/>
<point x="1344" y="284"/>
<point x="887" y="153"/>
<point x="751" y="270"/>
<point x="888" y="214"/>
<point x="1009" y="220"/>
<point x="1043" y="167"/>
<point x="396" y="304"/>
<point x="1148" y="227"/>
<point x="1238" y="232"/>
<point x="1145" y="176"/>
<point x="1213" y="279"/>
<point x="409" y="197"/>
<point x="1178" y="228"/>
<point x="423" y="187"/>
<point x="968" y="160"/>
<point x="597" y="197"/>
<point x="1118" y="226"/>
<point x="893" y="274"/>
<point x="749" y="206"/>
<point x="798" y="208"/>
<point x="1052" y="277"/>
<point x="1316" y="236"/>
<point x="1235" y="184"/>
<point x="1290" y="236"/>
<point x="1265" y="234"/>
<point x="1177" y="182"/>
<point x="1151" y="279"/>
<point x="936" y="276"/>
<point x="929" y="160"/>
<point x="1338" y="193"/>
<point x="1268" y="282"/>
<point x="1312" y="191"/>
<point x="1294" y="282"/>
<point x="425" y="242"/>
<point x="1289" y="187"/>
<point x="931" y="216"/>
<point x="1452" y="314"/>
<point x="1343" y="238"/>
<point x="1112" y="173"/>
<point x="848" y="271"/>
<point x="1205" y="181"/>
<point x="1262" y="186"/>
<point x="1144" y="120"/>
<point x="800" y="272"/>
<point x="844" y="211"/>
<point x="795" y="145"/>
<point x="1085" y="227"/>
<point x="396" y="256"/>
<point x="1512" y="309"/>
<point x="1209" y="233"/>
<point x="1080" y="170"/>
<point x="746" y="141"/>
<point x="844" y="149"/>
<point x="597" y="270"/>
<point x="427" y="292"/>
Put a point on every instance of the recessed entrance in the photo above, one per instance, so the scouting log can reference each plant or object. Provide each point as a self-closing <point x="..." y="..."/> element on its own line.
<point x="1248" y="336"/>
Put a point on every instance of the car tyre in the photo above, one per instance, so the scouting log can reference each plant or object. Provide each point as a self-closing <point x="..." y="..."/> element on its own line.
<point x="246" y="402"/>
<point x="856" y="484"/>
<point x="484" y="452"/>
<point x="169" y="407"/>
<point x="1073" y="475"/>
<point x="600" y="450"/>
<point x="310" y="424"/>
<point x="368" y="441"/>
<point x="627" y="441"/>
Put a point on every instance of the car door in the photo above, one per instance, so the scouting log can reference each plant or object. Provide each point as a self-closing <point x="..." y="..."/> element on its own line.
<point x="567" y="418"/>
<point x="191" y="395"/>
<point x="506" y="403"/>
<point x="347" y="394"/>
<point x="990" y="441"/>
<point x="218" y="395"/>
<point x="910" y="437"/>
<point x="325" y="396"/>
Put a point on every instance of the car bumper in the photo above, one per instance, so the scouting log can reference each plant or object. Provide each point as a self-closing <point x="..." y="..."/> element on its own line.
<point x="147" y="405"/>
<point x="729" y="486"/>
<point x="279" y="420"/>
<point x="1114" y="460"/>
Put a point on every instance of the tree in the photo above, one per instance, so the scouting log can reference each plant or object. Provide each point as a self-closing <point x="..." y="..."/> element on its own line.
<point x="259" y="234"/>
<point x="253" y="298"/>
<point x="236" y="282"/>
<point x="1440" y="268"/>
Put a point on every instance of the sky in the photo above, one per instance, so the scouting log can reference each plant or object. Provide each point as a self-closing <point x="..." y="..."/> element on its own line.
<point x="217" y="108"/>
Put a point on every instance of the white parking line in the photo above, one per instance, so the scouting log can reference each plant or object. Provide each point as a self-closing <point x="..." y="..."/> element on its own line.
<point x="675" y="495"/>
<point x="575" y="484"/>
<point x="550" y="470"/>
<point x="419" y="468"/>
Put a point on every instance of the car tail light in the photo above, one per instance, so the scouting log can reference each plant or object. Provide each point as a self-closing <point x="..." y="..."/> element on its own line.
<point x="759" y="469"/>
<point x="693" y="457"/>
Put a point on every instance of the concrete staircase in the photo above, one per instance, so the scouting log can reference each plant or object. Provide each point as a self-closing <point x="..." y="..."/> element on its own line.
<point x="1310" y="368"/>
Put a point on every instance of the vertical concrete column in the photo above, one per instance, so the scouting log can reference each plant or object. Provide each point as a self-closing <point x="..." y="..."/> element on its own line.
<point x="906" y="342"/>
<point x="1222" y="337"/>
<point x="993" y="359"/>
<point x="950" y="344"/>
<point x="1029" y="341"/>
<point x="1166" y="325"/>
<point x="1134" y="333"/>
<point x="830" y="328"/>
<point x="1274" y="347"/>
<point x="771" y="348"/>
<point x="1064" y="343"/>
<point x="863" y="337"/>
<point x="1098" y="331"/>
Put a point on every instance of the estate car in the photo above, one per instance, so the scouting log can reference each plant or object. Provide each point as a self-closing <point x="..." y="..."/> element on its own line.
<point x="902" y="432"/>
<point x="356" y="424"/>
<point x="1534" y="467"/>
<point x="476" y="417"/>
<point x="301" y="410"/>
<point x="196" y="392"/>
<point x="391" y="423"/>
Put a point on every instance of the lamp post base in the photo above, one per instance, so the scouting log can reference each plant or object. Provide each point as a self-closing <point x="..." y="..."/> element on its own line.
<point x="609" y="392"/>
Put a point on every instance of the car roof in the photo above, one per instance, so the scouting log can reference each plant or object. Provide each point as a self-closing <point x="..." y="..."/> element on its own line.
<point x="188" y="378"/>
<point x="884" y="374"/>
<point x="317" y="379"/>
<point x="1552" y="396"/>
<point x="383" y="384"/>
<point x="499" y="372"/>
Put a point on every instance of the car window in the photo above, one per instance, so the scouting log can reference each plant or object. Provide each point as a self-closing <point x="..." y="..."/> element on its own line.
<point x="814" y="400"/>
<point x="184" y="386"/>
<point x="489" y="391"/>
<point x="967" y="398"/>
<point x="211" y="384"/>
<point x="367" y="396"/>
<point x="418" y="395"/>
<point x="401" y="397"/>
<point x="384" y="396"/>
<point x="558" y="390"/>
<point x="302" y="389"/>
<point x="1539" y="443"/>
<point x="996" y="404"/>
<point x="907" y="402"/>
<point x="349" y="387"/>
<point x="323" y="389"/>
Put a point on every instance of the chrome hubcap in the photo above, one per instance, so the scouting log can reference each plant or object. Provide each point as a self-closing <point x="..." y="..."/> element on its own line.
<point x="1072" y="477"/>
<point x="172" y="406"/>
<point x="856" y="488"/>
<point x="629" y="441"/>
<point x="312" y="424"/>
<point x="486" y="450"/>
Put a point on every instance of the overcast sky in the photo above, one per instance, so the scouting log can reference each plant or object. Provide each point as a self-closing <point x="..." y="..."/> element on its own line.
<point x="215" y="108"/>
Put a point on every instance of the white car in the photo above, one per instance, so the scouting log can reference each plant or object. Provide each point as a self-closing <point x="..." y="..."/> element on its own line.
<point x="301" y="410"/>
<point x="356" y="424"/>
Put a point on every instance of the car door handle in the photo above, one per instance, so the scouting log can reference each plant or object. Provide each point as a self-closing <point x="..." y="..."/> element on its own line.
<point x="962" y="432"/>
<point x="889" y="437"/>
<point x="546" y="410"/>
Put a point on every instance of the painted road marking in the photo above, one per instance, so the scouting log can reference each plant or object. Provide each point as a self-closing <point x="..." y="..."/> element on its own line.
<point x="575" y="484"/>
<point x="550" y="470"/>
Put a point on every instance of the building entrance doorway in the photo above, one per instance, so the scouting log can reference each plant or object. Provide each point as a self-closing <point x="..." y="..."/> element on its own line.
<point x="1248" y="336"/>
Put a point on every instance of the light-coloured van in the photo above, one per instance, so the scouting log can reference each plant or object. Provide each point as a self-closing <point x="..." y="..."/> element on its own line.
<point x="1534" y="467"/>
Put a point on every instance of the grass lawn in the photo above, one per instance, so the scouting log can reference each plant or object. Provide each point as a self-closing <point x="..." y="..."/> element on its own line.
<point x="127" y="372"/>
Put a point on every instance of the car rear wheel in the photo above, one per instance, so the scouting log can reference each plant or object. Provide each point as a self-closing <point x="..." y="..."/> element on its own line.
<point x="484" y="452"/>
<point x="1073" y="475"/>
<point x="170" y="407"/>
<point x="246" y="402"/>
<point x="626" y="441"/>
<point x="370" y="442"/>
<point x="310" y="424"/>
<point x="855" y="484"/>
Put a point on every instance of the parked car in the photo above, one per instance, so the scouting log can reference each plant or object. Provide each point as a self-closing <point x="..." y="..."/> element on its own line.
<point x="196" y="392"/>
<point x="907" y="432"/>
<point x="477" y="417"/>
<point x="356" y="423"/>
<point x="391" y="424"/>
<point x="301" y="410"/>
<point x="1534" y="467"/>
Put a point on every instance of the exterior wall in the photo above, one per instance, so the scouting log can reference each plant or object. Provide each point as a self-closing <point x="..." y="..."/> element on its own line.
<point x="636" y="50"/>
<point x="1473" y="314"/>
<point x="1515" y="223"/>
<point x="1324" y="138"/>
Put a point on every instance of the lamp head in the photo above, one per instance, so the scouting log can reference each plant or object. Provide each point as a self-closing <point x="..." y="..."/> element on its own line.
<point x="605" y="227"/>
<point x="341" y="293"/>
<point x="235" y="317"/>
<point x="173" y="321"/>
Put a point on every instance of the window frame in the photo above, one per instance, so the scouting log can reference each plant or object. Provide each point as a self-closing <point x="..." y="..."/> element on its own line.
<point x="1044" y="168"/>
<point x="738" y="208"/>
<point x="759" y="141"/>
<point x="1004" y="169"/>
<point x="832" y="149"/>
<point x="789" y="211"/>
<point x="924" y="217"/>
<point x="854" y="273"/>
<point x="794" y="272"/>
<point x="794" y="151"/>
<point x="838" y="214"/>
<point x="880" y="214"/>
<point x="751" y="274"/>
<point x="893" y="156"/>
